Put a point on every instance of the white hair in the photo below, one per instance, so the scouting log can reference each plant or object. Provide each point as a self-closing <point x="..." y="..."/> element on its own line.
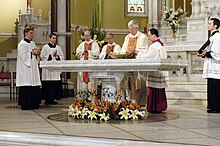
<point x="133" y="23"/>
<point x="110" y="34"/>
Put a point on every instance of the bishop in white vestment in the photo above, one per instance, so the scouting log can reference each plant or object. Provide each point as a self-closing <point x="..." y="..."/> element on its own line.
<point x="51" y="80"/>
<point x="135" y="40"/>
<point x="87" y="50"/>
<point x="27" y="72"/>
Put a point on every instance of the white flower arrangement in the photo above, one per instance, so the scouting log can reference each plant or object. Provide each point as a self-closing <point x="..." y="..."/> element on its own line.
<point x="105" y="110"/>
<point x="172" y="18"/>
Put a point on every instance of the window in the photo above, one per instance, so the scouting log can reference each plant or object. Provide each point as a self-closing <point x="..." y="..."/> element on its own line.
<point x="136" y="8"/>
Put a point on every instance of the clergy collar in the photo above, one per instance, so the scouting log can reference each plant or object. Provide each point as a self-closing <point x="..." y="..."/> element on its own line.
<point x="214" y="32"/>
<point x="52" y="45"/>
<point x="159" y="41"/>
<point x="134" y="36"/>
<point x="113" y="44"/>
<point x="88" y="42"/>
<point x="27" y="40"/>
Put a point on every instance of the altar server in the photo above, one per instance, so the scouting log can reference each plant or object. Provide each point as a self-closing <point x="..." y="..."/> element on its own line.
<point x="110" y="47"/>
<point x="27" y="71"/>
<point x="211" y="69"/>
<point x="87" y="50"/>
<point x="51" y="80"/>
<point x="156" y="80"/>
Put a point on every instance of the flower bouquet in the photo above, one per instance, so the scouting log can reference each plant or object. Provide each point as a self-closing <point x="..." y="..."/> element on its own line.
<point x="104" y="110"/>
<point x="84" y="108"/>
<point x="172" y="18"/>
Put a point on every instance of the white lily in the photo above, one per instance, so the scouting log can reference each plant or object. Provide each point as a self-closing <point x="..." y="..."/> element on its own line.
<point x="92" y="114"/>
<point x="71" y="110"/>
<point x="141" y="113"/>
<point x="124" y="113"/>
<point x="84" y="112"/>
<point x="77" y="113"/>
<point x="103" y="116"/>
<point x="133" y="114"/>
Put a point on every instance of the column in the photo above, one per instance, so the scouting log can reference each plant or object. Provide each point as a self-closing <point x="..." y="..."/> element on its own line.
<point x="61" y="24"/>
<point x="53" y="15"/>
<point x="150" y="13"/>
<point x="195" y="8"/>
<point x="168" y="4"/>
<point x="68" y="30"/>
<point x="93" y="88"/>
<point x="203" y="9"/>
<point x="154" y="13"/>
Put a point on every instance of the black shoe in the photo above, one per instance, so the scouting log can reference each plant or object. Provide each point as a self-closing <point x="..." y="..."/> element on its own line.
<point x="51" y="103"/>
<point x="26" y="108"/>
<point x="54" y="103"/>
<point x="36" y="107"/>
<point x="213" y="111"/>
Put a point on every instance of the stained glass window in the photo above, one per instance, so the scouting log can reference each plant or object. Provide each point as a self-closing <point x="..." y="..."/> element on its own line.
<point x="136" y="7"/>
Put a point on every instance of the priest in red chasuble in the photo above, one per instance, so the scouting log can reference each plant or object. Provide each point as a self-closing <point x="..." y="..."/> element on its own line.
<point x="87" y="50"/>
<point x="110" y="47"/>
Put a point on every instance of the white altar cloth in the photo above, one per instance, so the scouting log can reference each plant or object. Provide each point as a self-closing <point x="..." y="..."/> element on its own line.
<point x="115" y="65"/>
<point x="111" y="72"/>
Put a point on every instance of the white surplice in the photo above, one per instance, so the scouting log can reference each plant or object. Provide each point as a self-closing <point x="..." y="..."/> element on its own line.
<point x="212" y="65"/>
<point x="117" y="48"/>
<point x="45" y="53"/>
<point x="156" y="79"/>
<point x="27" y="70"/>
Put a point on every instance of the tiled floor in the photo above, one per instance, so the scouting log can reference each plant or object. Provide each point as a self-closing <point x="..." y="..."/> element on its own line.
<point x="185" y="125"/>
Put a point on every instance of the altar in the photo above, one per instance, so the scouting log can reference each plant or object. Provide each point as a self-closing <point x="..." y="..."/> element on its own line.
<point x="111" y="72"/>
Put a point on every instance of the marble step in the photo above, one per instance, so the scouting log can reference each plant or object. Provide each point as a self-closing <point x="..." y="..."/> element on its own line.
<point x="23" y="139"/>
<point x="14" y="51"/>
<point x="187" y="92"/>
<point x="185" y="86"/>
<point x="10" y="55"/>
<point x="13" y="54"/>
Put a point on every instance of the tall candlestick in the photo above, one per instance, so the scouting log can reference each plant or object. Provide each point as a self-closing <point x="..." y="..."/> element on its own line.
<point x="173" y="4"/>
<point x="28" y="3"/>
<point x="184" y="6"/>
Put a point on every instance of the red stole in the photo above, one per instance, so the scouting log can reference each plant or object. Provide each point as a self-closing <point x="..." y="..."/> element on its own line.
<point x="111" y="48"/>
<point x="86" y="57"/>
<point x="132" y="42"/>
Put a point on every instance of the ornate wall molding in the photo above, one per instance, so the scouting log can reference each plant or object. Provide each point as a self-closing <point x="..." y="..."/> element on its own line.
<point x="8" y="35"/>
<point x="195" y="27"/>
<point x="114" y="31"/>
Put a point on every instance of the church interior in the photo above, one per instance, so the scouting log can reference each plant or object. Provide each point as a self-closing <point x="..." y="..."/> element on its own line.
<point x="186" y="120"/>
